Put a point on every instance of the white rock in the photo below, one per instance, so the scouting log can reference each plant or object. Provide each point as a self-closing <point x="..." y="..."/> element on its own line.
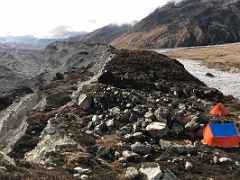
<point x="129" y="105"/>
<point x="95" y="118"/>
<point x="131" y="173"/>
<point x="237" y="163"/>
<point x="188" y="166"/>
<point x="151" y="170"/>
<point x="78" y="169"/>
<point x="84" y="176"/>
<point x="149" y="115"/>
<point x="81" y="170"/>
<point x="224" y="159"/>
<point x="215" y="159"/>
<point x="110" y="123"/>
<point x="115" y="111"/>
<point x="157" y="129"/>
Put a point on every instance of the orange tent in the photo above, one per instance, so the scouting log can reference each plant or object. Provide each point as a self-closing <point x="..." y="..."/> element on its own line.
<point x="221" y="135"/>
<point x="219" y="110"/>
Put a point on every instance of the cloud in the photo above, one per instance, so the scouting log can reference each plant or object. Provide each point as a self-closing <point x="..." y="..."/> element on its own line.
<point x="64" y="32"/>
<point x="93" y="21"/>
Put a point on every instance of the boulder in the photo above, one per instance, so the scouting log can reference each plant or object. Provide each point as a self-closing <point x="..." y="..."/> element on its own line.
<point x="85" y="102"/>
<point x="141" y="148"/>
<point x="131" y="156"/>
<point x="192" y="125"/>
<point x="209" y="75"/>
<point x="224" y="159"/>
<point x="151" y="170"/>
<point x="179" y="148"/>
<point x="157" y="129"/>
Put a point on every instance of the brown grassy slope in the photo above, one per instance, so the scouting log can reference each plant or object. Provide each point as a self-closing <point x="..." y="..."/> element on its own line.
<point x="185" y="24"/>
<point x="225" y="57"/>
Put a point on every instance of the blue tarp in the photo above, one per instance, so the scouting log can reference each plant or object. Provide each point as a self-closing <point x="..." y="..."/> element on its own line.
<point x="223" y="129"/>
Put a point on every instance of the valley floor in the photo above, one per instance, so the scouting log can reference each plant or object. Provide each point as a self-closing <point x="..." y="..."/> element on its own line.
<point x="226" y="82"/>
<point x="223" y="57"/>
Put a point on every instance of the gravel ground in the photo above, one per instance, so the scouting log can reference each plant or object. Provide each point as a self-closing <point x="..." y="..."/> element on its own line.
<point x="228" y="83"/>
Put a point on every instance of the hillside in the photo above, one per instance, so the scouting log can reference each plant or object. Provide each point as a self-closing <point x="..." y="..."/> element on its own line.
<point x="103" y="35"/>
<point x="189" y="23"/>
<point x="114" y="114"/>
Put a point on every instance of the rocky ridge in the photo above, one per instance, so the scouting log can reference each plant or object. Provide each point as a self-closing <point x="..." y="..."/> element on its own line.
<point x="136" y="115"/>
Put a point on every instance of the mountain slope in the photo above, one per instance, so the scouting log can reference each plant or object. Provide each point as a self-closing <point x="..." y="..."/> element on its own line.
<point x="103" y="35"/>
<point x="189" y="23"/>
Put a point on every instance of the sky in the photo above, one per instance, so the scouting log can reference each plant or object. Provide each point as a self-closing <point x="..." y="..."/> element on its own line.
<point x="45" y="18"/>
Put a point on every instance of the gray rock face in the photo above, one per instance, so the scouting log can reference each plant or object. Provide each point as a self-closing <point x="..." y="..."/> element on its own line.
<point x="84" y="101"/>
<point x="157" y="129"/>
<point x="141" y="148"/>
<point x="151" y="170"/>
<point x="131" y="173"/>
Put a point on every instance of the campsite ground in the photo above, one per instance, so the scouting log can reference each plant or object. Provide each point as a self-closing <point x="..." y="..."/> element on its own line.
<point x="223" y="57"/>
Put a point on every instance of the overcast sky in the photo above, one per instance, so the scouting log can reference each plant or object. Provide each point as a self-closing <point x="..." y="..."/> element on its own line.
<point x="43" y="18"/>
